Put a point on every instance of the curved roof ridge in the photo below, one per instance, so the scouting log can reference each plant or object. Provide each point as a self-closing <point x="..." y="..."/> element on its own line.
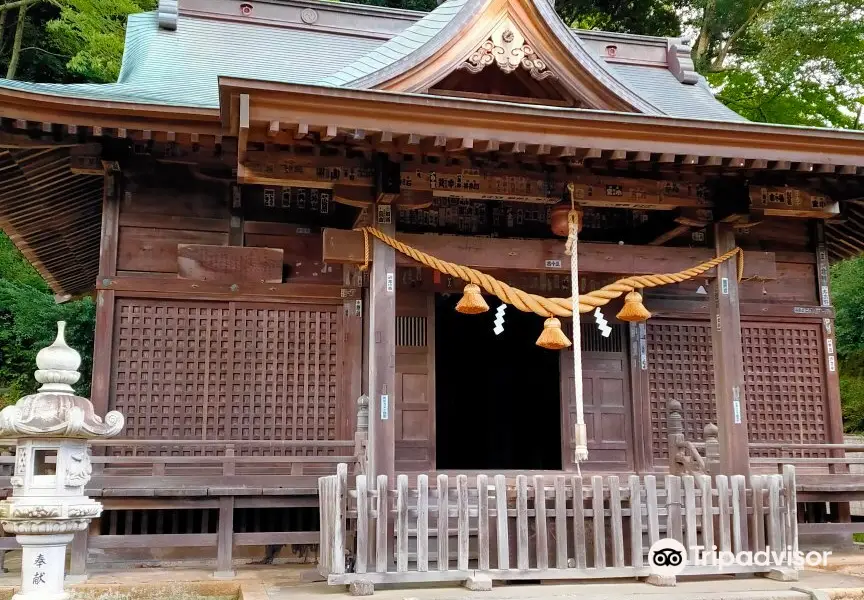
<point x="410" y="42"/>
<point x="591" y="62"/>
<point x="423" y="39"/>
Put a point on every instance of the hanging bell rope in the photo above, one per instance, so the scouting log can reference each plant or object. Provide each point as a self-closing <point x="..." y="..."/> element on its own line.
<point x="580" y="433"/>
<point x="540" y="305"/>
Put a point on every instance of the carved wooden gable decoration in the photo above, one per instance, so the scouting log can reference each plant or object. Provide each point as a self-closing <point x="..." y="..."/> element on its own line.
<point x="507" y="49"/>
<point x="516" y="50"/>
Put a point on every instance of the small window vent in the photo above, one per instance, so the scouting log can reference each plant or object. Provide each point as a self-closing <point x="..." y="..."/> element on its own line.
<point x="411" y="331"/>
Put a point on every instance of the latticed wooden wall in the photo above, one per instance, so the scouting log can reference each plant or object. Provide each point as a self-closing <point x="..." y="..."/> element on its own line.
<point x="227" y="370"/>
<point x="679" y="368"/>
<point x="783" y="372"/>
<point x="784" y="383"/>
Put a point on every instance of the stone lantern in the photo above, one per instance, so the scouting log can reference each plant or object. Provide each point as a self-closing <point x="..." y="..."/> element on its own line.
<point x="52" y="466"/>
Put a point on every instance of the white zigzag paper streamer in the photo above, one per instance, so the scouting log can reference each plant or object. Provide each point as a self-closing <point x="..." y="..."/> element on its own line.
<point x="499" y="320"/>
<point x="602" y="323"/>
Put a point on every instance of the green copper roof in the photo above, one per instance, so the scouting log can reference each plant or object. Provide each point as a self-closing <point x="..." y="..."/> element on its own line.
<point x="182" y="67"/>
<point x="408" y="42"/>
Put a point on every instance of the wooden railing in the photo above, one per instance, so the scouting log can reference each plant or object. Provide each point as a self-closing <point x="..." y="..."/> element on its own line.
<point x="192" y="494"/>
<point x="686" y="456"/>
<point x="209" y="494"/>
<point x="581" y="528"/>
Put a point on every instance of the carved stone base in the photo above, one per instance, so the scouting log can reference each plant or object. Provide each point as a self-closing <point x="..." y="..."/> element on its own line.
<point x="43" y="563"/>
<point x="47" y="514"/>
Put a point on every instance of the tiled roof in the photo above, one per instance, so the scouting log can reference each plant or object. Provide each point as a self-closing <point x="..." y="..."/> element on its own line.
<point x="404" y="44"/>
<point x="182" y="67"/>
<point x="660" y="87"/>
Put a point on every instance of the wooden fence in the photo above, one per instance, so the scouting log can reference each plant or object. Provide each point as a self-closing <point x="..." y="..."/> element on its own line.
<point x="531" y="528"/>
<point x="211" y="495"/>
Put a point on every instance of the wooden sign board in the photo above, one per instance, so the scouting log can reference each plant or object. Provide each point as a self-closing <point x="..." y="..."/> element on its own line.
<point x="639" y="194"/>
<point x="507" y="185"/>
<point x="229" y="264"/>
<point x="293" y="170"/>
<point x="477" y="184"/>
<point x="792" y="202"/>
<point x="83" y="164"/>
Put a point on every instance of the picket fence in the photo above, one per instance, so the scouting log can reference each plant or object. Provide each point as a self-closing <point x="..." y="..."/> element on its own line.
<point x="529" y="527"/>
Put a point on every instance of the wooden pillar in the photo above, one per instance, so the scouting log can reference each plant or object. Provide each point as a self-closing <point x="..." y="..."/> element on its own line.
<point x="382" y="350"/>
<point x="834" y="411"/>
<point x="225" y="538"/>
<point x="78" y="558"/>
<point x="102" y="340"/>
<point x="728" y="359"/>
<point x="674" y="435"/>
<point x="236" y="221"/>
<point x="352" y="358"/>
<point x="832" y="371"/>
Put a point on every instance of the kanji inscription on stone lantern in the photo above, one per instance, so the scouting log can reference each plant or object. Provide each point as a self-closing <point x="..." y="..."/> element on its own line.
<point x="52" y="466"/>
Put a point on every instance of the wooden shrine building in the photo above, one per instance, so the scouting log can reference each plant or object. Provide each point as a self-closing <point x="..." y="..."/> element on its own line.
<point x="210" y="199"/>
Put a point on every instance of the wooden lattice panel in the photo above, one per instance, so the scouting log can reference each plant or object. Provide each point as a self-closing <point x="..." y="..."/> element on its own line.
<point x="226" y="371"/>
<point x="679" y="368"/>
<point x="784" y="383"/>
<point x="285" y="383"/>
<point x="170" y="366"/>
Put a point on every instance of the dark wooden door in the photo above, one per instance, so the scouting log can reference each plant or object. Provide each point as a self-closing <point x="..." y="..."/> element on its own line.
<point x="607" y="401"/>
<point x="415" y="382"/>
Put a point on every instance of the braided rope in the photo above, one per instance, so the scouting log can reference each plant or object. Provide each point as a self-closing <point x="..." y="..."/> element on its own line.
<point x="540" y="305"/>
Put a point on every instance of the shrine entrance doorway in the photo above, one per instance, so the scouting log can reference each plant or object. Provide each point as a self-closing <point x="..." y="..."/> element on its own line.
<point x="497" y="396"/>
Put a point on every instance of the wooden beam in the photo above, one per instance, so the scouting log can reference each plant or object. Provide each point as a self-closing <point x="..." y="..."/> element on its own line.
<point x="832" y="372"/>
<point x="129" y="285"/>
<point x="382" y="351"/>
<point x="243" y="129"/>
<point x="728" y="361"/>
<point x="669" y="235"/>
<point x="343" y="246"/>
<point x="100" y="384"/>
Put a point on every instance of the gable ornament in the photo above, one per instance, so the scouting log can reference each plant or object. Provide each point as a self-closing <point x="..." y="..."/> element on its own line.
<point x="506" y="47"/>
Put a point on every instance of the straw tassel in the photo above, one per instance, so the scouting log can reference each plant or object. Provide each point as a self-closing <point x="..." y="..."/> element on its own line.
<point x="552" y="336"/>
<point x="581" y="438"/>
<point x="633" y="310"/>
<point x="472" y="302"/>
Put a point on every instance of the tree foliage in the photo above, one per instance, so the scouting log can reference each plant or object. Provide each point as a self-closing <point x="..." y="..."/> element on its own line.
<point x="847" y="291"/>
<point x="38" y="60"/>
<point x="28" y="322"/>
<point x="65" y="40"/>
<point x="92" y="33"/>
<point x="798" y="62"/>
<point x="644" y="17"/>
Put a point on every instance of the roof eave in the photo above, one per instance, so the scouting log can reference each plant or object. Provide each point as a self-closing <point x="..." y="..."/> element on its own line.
<point x="402" y="113"/>
<point x="65" y="110"/>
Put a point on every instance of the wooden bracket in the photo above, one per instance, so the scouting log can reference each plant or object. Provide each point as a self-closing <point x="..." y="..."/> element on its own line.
<point x="387" y="179"/>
